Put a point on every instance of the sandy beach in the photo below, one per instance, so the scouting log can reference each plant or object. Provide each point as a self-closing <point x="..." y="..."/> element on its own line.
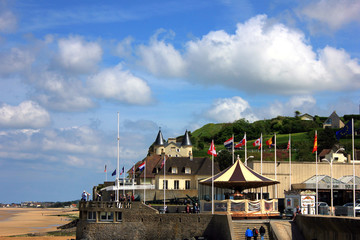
<point x="19" y="221"/>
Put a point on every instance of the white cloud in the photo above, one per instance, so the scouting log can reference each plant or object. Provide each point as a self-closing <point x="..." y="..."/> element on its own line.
<point x="161" y="58"/>
<point x="15" y="61"/>
<point x="230" y="110"/>
<point x="8" y="21"/>
<point x="331" y="13"/>
<point x="27" y="115"/>
<point x="58" y="93"/>
<point x="77" y="55"/>
<point x="115" y="83"/>
<point x="261" y="56"/>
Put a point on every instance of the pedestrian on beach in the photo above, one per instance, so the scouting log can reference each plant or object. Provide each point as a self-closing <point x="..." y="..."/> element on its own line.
<point x="255" y="233"/>
<point x="196" y="208"/>
<point x="187" y="208"/>
<point x="262" y="232"/>
<point x="248" y="234"/>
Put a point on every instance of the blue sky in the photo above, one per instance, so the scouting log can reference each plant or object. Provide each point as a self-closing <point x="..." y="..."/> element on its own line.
<point x="68" y="67"/>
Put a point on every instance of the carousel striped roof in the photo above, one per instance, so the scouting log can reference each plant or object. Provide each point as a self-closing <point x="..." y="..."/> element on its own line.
<point x="240" y="177"/>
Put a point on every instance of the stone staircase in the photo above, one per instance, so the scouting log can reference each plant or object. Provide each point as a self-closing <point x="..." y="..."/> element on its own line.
<point x="240" y="226"/>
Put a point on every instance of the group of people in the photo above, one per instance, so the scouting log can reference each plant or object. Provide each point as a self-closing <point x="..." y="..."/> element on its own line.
<point x="255" y="233"/>
<point x="195" y="209"/>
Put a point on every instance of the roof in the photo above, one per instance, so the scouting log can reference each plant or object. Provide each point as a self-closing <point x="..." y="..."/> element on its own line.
<point x="349" y="179"/>
<point x="159" y="139"/>
<point x="324" y="152"/>
<point x="240" y="177"/>
<point x="186" y="140"/>
<point x="198" y="166"/>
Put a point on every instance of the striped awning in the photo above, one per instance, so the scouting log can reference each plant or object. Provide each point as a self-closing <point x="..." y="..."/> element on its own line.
<point x="239" y="177"/>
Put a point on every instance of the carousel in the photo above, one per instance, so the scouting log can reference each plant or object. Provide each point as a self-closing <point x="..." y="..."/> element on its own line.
<point x="239" y="178"/>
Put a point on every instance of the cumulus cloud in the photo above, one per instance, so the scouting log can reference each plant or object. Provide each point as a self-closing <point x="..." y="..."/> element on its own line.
<point x="15" y="60"/>
<point x="230" y="110"/>
<point x="118" y="84"/>
<point x="8" y="21"/>
<point x="332" y="14"/>
<point x="161" y="58"/>
<point x="77" y="55"/>
<point x="27" y="115"/>
<point x="261" y="56"/>
<point x="60" y="93"/>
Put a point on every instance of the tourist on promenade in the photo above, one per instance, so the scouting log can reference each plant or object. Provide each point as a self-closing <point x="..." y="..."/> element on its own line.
<point x="83" y="196"/>
<point x="255" y="233"/>
<point x="196" y="208"/>
<point x="262" y="232"/>
<point x="248" y="234"/>
<point x="297" y="211"/>
<point x="187" y="208"/>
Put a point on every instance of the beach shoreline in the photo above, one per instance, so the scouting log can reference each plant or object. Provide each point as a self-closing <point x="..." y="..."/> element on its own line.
<point x="35" y="221"/>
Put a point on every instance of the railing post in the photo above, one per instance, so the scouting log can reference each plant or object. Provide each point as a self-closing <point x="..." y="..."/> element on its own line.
<point x="262" y="206"/>
<point x="246" y="205"/>
<point x="228" y="205"/>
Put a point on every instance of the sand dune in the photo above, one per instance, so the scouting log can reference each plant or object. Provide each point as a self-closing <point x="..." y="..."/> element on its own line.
<point x="18" y="221"/>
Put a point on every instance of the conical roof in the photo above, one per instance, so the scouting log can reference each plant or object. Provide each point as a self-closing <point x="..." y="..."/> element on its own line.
<point x="159" y="139"/>
<point x="239" y="177"/>
<point x="186" y="140"/>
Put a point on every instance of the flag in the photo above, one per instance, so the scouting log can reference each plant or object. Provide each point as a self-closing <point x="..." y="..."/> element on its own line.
<point x="315" y="144"/>
<point x="270" y="142"/>
<point x="114" y="173"/>
<point x="228" y="143"/>
<point x="163" y="163"/>
<point x="212" y="150"/>
<point x="122" y="171"/>
<point x="142" y="166"/>
<point x="257" y="143"/>
<point x="241" y="143"/>
<point x="347" y="129"/>
<point x="105" y="168"/>
<point x="288" y="145"/>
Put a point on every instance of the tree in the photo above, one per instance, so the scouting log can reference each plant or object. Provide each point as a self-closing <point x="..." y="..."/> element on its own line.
<point x="224" y="158"/>
<point x="297" y="114"/>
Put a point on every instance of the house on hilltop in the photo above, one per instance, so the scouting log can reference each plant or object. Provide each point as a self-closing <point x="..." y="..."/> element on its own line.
<point x="306" y="117"/>
<point x="333" y="121"/>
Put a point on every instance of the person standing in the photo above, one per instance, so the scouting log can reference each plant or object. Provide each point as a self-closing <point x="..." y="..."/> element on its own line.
<point x="262" y="232"/>
<point x="248" y="234"/>
<point x="255" y="233"/>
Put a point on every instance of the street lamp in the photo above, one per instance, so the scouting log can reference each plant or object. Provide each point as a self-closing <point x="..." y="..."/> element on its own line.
<point x="331" y="181"/>
<point x="247" y="159"/>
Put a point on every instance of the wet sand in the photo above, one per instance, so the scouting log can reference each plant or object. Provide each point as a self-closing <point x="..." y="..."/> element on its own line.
<point x="19" y="221"/>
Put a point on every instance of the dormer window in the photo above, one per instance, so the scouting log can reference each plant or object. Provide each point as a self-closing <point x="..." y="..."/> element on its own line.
<point x="174" y="170"/>
<point x="178" y="149"/>
<point x="187" y="170"/>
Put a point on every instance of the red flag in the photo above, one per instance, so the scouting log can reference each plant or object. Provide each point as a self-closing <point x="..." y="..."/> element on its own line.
<point x="163" y="163"/>
<point x="241" y="143"/>
<point x="212" y="150"/>
<point x="288" y="145"/>
<point x="315" y="144"/>
<point x="105" y="168"/>
<point x="257" y="143"/>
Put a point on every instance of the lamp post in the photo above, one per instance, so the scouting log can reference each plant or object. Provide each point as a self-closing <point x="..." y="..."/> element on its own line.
<point x="247" y="159"/>
<point x="331" y="181"/>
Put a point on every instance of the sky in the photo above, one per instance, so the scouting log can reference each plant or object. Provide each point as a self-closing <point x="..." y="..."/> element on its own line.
<point x="67" y="68"/>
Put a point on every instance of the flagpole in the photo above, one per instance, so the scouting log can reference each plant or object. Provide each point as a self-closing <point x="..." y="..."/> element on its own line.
<point x="261" y="160"/>
<point x="212" y="181"/>
<point x="275" y="166"/>
<point x="290" y="159"/>
<point x="233" y="148"/>
<point x="133" y="173"/>
<point x="123" y="172"/>
<point x="164" y="181"/>
<point x="245" y="147"/>
<point x="353" y="157"/>
<point x="144" y="181"/>
<point x="118" y="158"/>
<point x="317" y="187"/>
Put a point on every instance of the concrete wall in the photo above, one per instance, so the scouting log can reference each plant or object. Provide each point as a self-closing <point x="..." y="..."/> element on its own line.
<point x="140" y="222"/>
<point x="328" y="228"/>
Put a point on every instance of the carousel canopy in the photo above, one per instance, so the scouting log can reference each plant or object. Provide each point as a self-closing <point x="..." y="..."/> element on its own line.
<point x="239" y="177"/>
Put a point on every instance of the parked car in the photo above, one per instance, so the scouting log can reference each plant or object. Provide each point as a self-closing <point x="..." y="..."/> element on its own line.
<point x="323" y="204"/>
<point x="323" y="208"/>
<point x="357" y="207"/>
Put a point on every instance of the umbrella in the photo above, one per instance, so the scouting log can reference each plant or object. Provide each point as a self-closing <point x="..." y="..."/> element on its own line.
<point x="239" y="177"/>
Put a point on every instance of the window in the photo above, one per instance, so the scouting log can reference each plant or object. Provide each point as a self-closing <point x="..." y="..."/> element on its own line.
<point x="91" y="216"/>
<point x="176" y="184"/>
<point x="178" y="149"/>
<point x="187" y="184"/>
<point x="329" y="121"/>
<point x="174" y="170"/>
<point x="119" y="216"/>
<point x="187" y="170"/>
<point x="106" y="216"/>
<point x="165" y="183"/>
